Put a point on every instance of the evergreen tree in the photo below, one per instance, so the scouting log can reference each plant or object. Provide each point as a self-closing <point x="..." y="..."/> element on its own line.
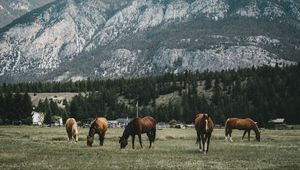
<point x="26" y="106"/>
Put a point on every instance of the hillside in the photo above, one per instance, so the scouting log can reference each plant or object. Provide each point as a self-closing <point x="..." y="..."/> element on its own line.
<point x="13" y="9"/>
<point x="76" y="39"/>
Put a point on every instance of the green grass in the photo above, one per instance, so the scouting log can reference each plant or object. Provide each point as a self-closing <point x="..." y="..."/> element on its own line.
<point x="27" y="147"/>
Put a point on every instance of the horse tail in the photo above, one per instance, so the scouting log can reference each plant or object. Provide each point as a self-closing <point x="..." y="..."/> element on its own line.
<point x="226" y="127"/>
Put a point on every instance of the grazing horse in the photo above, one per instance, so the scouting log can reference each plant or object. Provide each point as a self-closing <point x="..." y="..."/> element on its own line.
<point x="72" y="130"/>
<point x="99" y="126"/>
<point x="136" y="127"/>
<point x="241" y="124"/>
<point x="204" y="127"/>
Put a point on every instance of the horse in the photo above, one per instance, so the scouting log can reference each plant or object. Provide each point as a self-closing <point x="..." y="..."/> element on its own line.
<point x="139" y="126"/>
<point x="204" y="128"/>
<point x="241" y="124"/>
<point x="72" y="130"/>
<point x="99" y="126"/>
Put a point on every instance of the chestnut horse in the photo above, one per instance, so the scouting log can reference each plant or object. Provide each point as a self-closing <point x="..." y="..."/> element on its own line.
<point x="98" y="126"/>
<point x="241" y="124"/>
<point x="204" y="127"/>
<point x="136" y="127"/>
<point x="72" y="130"/>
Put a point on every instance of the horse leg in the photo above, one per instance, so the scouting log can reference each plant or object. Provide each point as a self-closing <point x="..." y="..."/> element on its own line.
<point x="69" y="136"/>
<point x="198" y="138"/>
<point x="244" y="135"/>
<point x="132" y="137"/>
<point x="230" y="139"/>
<point x="226" y="134"/>
<point x="101" y="139"/>
<point x="203" y="142"/>
<point x="208" y="140"/>
<point x="140" y="139"/>
<point x="150" y="138"/>
<point x="249" y="135"/>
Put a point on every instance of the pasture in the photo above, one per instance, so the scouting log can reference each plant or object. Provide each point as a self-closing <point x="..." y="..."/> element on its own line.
<point x="28" y="147"/>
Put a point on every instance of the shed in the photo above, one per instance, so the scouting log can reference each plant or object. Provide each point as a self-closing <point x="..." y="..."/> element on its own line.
<point x="278" y="123"/>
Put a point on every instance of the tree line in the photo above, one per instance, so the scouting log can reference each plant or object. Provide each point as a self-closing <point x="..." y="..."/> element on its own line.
<point x="15" y="107"/>
<point x="261" y="93"/>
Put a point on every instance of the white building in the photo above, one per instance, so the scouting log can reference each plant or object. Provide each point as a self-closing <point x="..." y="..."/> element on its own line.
<point x="37" y="118"/>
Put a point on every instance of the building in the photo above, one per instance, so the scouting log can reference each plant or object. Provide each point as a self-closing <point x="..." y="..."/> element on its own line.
<point x="57" y="121"/>
<point x="112" y="124"/>
<point x="122" y="122"/>
<point x="37" y="118"/>
<point x="278" y="123"/>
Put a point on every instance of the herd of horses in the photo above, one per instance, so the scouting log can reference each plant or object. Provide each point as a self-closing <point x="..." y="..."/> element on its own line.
<point x="203" y="125"/>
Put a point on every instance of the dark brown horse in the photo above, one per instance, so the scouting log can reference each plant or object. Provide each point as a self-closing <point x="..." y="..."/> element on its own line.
<point x="241" y="124"/>
<point x="204" y="127"/>
<point x="99" y="126"/>
<point x="136" y="127"/>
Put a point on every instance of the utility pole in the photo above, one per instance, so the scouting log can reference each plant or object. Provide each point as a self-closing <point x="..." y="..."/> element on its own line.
<point x="137" y="108"/>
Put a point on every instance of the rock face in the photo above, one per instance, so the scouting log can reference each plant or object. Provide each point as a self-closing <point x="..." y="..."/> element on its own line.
<point x="76" y="39"/>
<point x="12" y="9"/>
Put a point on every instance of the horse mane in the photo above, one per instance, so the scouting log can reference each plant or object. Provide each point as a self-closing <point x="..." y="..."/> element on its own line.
<point x="93" y="128"/>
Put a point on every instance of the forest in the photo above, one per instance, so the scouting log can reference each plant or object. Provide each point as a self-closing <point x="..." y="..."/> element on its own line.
<point x="261" y="93"/>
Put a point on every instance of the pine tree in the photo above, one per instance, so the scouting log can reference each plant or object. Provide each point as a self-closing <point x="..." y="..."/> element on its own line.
<point x="47" y="118"/>
<point x="26" y="106"/>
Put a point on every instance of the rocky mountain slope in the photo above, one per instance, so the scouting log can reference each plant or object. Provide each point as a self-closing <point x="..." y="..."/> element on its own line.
<point x="12" y="9"/>
<point x="75" y="39"/>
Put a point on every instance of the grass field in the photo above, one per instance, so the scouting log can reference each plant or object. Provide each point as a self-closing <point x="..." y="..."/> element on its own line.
<point x="27" y="147"/>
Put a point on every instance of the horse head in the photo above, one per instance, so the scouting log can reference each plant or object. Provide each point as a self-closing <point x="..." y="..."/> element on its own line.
<point x="205" y="118"/>
<point x="123" y="142"/>
<point x="258" y="137"/>
<point x="76" y="136"/>
<point x="257" y="132"/>
<point x="89" y="140"/>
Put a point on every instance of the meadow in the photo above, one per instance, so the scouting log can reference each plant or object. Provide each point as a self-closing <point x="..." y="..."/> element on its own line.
<point x="28" y="147"/>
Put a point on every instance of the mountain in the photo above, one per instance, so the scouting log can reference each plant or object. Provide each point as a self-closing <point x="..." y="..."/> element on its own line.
<point x="12" y="9"/>
<point x="76" y="39"/>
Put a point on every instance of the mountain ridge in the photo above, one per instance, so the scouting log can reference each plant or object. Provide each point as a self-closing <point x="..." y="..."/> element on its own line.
<point x="78" y="39"/>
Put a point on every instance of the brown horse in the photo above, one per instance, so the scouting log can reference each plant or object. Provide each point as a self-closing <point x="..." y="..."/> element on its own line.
<point x="204" y="127"/>
<point x="241" y="124"/>
<point x="98" y="126"/>
<point x="136" y="127"/>
<point x="72" y="130"/>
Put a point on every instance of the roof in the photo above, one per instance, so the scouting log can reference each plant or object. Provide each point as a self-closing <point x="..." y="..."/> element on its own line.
<point x="278" y="120"/>
<point x="123" y="119"/>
